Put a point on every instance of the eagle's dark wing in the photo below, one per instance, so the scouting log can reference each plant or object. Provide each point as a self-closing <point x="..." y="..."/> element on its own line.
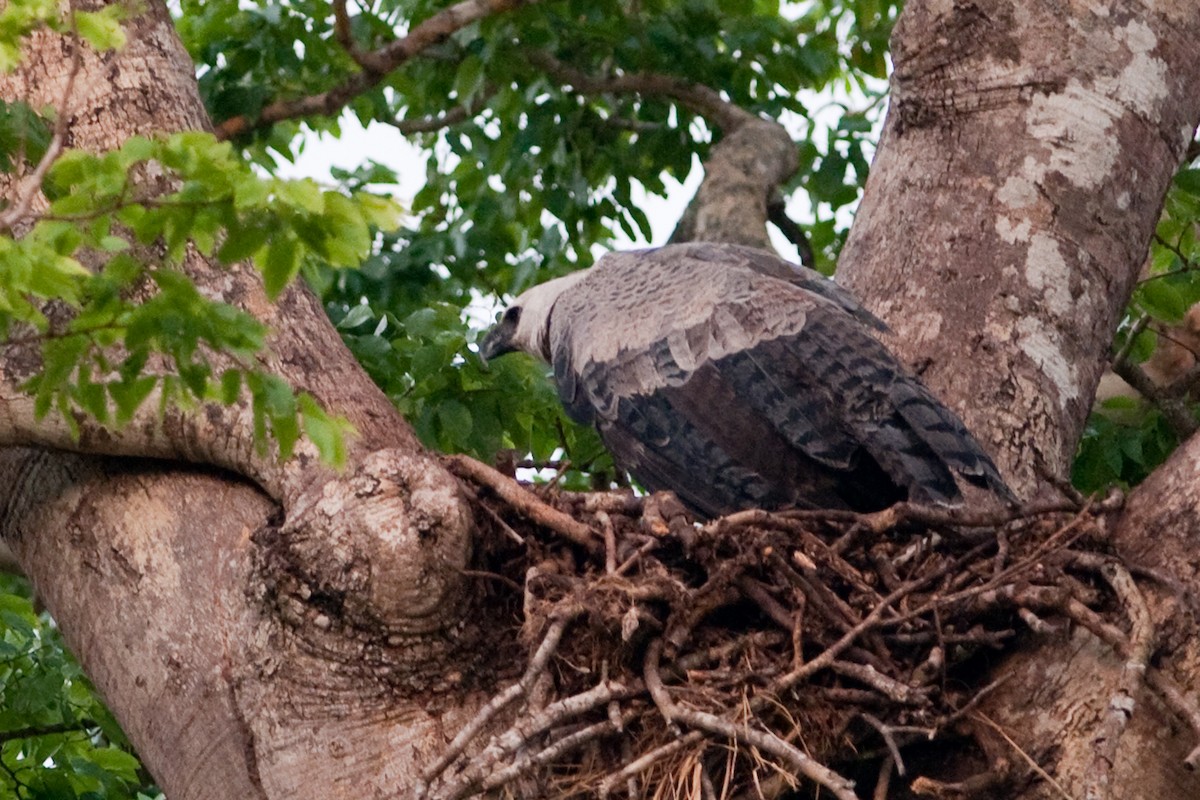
<point x="737" y="388"/>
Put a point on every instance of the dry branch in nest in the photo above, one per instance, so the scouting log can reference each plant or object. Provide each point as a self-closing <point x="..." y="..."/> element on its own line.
<point x="765" y="651"/>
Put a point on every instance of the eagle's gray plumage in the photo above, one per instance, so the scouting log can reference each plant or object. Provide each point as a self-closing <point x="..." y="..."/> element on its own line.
<point x="738" y="380"/>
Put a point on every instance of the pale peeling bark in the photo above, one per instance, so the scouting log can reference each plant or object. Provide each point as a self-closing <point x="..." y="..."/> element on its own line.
<point x="1008" y="211"/>
<point x="318" y="655"/>
<point x="741" y="175"/>
<point x="1014" y="192"/>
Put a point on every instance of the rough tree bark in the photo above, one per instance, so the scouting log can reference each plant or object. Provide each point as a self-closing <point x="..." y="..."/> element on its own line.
<point x="235" y="643"/>
<point x="1008" y="211"/>
<point x="1023" y="162"/>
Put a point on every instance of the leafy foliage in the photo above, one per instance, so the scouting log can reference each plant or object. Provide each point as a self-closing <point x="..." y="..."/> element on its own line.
<point x="134" y="244"/>
<point x="101" y="29"/>
<point x="56" y="738"/>
<point x="1125" y="439"/>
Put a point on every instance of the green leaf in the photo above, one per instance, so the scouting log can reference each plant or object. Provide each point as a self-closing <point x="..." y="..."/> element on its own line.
<point x="280" y="263"/>
<point x="382" y="212"/>
<point x="350" y="239"/>
<point x="24" y="134"/>
<point x="1188" y="180"/>
<point x="119" y="763"/>
<point x="243" y="241"/>
<point x="327" y="434"/>
<point x="102" y="29"/>
<point x="231" y="386"/>
<point x="1143" y="346"/>
<point x="1162" y="300"/>
<point x="305" y="194"/>
<point x="356" y="316"/>
<point x="128" y="396"/>
<point x="92" y="397"/>
<point x="137" y="149"/>
<point x="455" y="417"/>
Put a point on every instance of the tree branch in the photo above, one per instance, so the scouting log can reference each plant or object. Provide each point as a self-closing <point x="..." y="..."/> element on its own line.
<point x="376" y="64"/>
<point x="1133" y="677"/>
<point x="31" y="186"/>
<point x="523" y="501"/>
<point x="1175" y="410"/>
<point x="447" y="118"/>
<point x="699" y="98"/>
<point x="777" y="215"/>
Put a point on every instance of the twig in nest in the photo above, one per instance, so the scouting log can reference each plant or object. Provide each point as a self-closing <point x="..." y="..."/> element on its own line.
<point x="1028" y="759"/>
<point x="614" y="502"/>
<point x="1095" y="562"/>
<point x="1036" y="623"/>
<point x="1163" y="684"/>
<point x="869" y="622"/>
<point x="889" y="518"/>
<point x="496" y="518"/>
<point x="1175" y="698"/>
<point x="884" y="782"/>
<point x="885" y="731"/>
<point x="523" y="501"/>
<point x="610" y="542"/>
<point x="976" y="635"/>
<point x="636" y="556"/>
<point x="764" y="741"/>
<point x="818" y="595"/>
<point x="933" y="667"/>
<point x="889" y="687"/>
<point x="537" y="665"/>
<point x="971" y="704"/>
<point x="982" y="785"/>
<point x="523" y="731"/>
<point x="554" y="751"/>
<point x="763" y="599"/>
<point x="995" y="591"/>
<point x="491" y="576"/>
<point x="1098" y="784"/>
<point x="646" y="760"/>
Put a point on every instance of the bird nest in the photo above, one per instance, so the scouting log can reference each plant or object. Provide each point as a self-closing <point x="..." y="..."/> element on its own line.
<point x="754" y="654"/>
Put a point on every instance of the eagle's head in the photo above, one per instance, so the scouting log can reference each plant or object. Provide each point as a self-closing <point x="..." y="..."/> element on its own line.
<point x="525" y="324"/>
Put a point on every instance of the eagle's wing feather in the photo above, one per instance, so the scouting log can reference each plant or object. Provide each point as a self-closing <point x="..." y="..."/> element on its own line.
<point x="668" y="441"/>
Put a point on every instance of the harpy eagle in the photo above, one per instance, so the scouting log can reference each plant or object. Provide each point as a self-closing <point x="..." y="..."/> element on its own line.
<point x="738" y="380"/>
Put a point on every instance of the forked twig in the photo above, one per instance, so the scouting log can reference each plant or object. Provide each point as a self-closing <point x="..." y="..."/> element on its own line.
<point x="523" y="501"/>
<point x="1098" y="782"/>
<point x="765" y="741"/>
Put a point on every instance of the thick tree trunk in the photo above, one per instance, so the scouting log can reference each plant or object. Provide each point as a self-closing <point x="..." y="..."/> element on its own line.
<point x="317" y="655"/>
<point x="1012" y="198"/>
<point x="229" y="684"/>
<point x="1015" y="189"/>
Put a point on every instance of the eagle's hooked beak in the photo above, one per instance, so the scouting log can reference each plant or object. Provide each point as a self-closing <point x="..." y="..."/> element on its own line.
<point x="497" y="342"/>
